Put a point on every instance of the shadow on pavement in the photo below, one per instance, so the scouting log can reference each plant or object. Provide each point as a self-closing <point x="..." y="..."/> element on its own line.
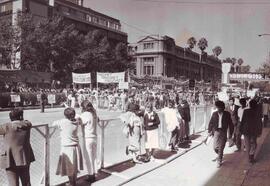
<point x="163" y="154"/>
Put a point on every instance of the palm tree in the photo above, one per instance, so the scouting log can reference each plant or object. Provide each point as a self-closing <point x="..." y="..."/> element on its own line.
<point x="191" y="42"/>
<point x="217" y="51"/>
<point x="202" y="44"/>
<point x="240" y="61"/>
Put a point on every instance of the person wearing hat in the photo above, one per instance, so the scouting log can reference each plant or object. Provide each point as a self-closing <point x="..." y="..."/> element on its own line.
<point x="218" y="126"/>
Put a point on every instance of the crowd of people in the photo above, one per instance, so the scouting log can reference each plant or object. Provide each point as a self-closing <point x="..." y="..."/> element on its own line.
<point x="141" y="120"/>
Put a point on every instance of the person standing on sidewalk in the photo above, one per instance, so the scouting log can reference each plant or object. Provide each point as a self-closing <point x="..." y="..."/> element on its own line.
<point x="232" y="109"/>
<point x="184" y="111"/>
<point x="237" y="132"/>
<point x="251" y="127"/>
<point x="151" y="122"/>
<point x="219" y="124"/>
<point x="18" y="153"/>
<point x="89" y="120"/>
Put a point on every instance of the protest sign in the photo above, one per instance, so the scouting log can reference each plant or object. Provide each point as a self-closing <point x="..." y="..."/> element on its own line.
<point x="81" y="78"/>
<point x="15" y="98"/>
<point x="110" y="77"/>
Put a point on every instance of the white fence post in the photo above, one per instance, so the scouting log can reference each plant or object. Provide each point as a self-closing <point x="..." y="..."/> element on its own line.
<point x="47" y="156"/>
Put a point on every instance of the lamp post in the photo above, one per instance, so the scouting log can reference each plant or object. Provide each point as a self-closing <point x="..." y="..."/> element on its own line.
<point x="266" y="34"/>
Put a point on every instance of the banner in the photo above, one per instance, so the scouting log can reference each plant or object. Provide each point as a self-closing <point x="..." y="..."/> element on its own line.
<point x="223" y="96"/>
<point x="123" y="85"/>
<point x="81" y="78"/>
<point x="15" y="98"/>
<point x="51" y="99"/>
<point x="110" y="77"/>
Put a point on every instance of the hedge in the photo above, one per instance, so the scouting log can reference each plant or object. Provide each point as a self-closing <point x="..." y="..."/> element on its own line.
<point x="27" y="99"/>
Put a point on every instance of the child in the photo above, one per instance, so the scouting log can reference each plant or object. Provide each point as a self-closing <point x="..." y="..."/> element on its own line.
<point x="70" y="160"/>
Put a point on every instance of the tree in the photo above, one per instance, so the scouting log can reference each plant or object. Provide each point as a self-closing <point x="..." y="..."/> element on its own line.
<point x="53" y="45"/>
<point x="202" y="44"/>
<point x="240" y="61"/>
<point x="191" y="43"/>
<point x="217" y="51"/>
<point x="6" y="36"/>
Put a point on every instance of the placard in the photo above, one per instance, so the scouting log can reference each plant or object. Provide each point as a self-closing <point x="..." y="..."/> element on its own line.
<point x="51" y="99"/>
<point x="81" y="78"/>
<point x="223" y="96"/>
<point x="110" y="77"/>
<point x="123" y="85"/>
<point x="15" y="98"/>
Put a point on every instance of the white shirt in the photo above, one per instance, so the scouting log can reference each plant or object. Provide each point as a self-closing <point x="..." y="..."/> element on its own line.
<point x="68" y="131"/>
<point x="240" y="113"/>
<point x="90" y="124"/>
<point x="220" y="119"/>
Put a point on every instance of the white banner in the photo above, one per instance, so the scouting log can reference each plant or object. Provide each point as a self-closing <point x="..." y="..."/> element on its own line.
<point x="15" y="98"/>
<point x="110" y="77"/>
<point x="51" y="99"/>
<point x="123" y="85"/>
<point x="81" y="78"/>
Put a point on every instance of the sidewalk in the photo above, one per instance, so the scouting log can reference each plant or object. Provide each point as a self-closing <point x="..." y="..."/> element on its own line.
<point x="193" y="166"/>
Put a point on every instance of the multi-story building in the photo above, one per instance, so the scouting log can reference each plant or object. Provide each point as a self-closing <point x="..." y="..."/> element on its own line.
<point x="85" y="19"/>
<point x="160" y="56"/>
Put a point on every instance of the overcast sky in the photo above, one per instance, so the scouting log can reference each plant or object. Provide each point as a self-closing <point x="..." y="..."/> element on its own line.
<point x="233" y="26"/>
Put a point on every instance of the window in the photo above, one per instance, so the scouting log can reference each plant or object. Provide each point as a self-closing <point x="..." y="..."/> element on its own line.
<point x="117" y="27"/>
<point x="6" y="7"/>
<point x="148" y="70"/>
<point x="103" y="22"/>
<point x="111" y="25"/>
<point x="148" y="59"/>
<point x="95" y="19"/>
<point x="88" y="18"/>
<point x="148" y="45"/>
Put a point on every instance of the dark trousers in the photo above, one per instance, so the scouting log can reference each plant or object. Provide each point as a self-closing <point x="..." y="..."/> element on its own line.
<point x="237" y="136"/>
<point x="251" y="144"/>
<point x="186" y="128"/>
<point x="220" y="138"/>
<point x="16" y="173"/>
<point x="174" y="138"/>
<point x="42" y="106"/>
<point x="265" y="120"/>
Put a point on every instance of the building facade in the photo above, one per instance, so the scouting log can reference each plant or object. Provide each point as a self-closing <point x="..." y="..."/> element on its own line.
<point x="73" y="11"/>
<point x="160" y="56"/>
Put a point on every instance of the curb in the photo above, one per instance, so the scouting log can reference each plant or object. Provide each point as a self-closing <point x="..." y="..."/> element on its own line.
<point x="161" y="165"/>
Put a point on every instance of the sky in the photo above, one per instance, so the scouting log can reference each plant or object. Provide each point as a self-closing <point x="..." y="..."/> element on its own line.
<point x="232" y="24"/>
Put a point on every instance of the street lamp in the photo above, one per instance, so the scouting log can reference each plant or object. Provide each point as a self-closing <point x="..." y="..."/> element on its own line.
<point x="260" y="35"/>
<point x="266" y="34"/>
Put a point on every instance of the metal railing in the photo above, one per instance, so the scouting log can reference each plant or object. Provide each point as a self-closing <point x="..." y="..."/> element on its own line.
<point x="111" y="146"/>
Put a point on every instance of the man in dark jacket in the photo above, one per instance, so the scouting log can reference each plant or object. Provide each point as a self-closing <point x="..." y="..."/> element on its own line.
<point x="251" y="128"/>
<point x="184" y="111"/>
<point x="219" y="123"/>
<point x="18" y="152"/>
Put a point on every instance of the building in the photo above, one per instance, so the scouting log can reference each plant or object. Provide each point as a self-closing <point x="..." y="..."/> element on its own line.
<point x="160" y="56"/>
<point x="85" y="19"/>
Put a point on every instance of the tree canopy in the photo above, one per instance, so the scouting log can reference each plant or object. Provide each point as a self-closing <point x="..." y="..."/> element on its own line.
<point x="56" y="46"/>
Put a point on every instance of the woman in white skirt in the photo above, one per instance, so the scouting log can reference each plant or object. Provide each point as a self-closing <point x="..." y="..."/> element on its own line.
<point x="70" y="159"/>
<point x="151" y="122"/>
<point x="89" y="122"/>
